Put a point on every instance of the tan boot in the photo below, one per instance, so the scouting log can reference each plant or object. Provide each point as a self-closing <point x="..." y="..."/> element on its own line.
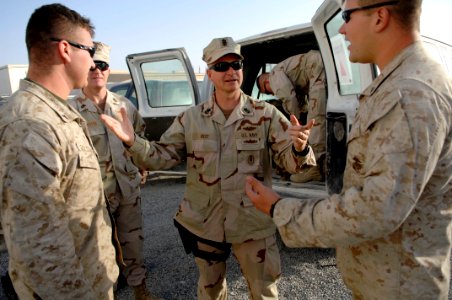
<point x="142" y="293"/>
<point x="308" y="174"/>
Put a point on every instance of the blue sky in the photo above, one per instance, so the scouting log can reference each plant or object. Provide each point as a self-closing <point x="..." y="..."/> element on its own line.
<point x="135" y="26"/>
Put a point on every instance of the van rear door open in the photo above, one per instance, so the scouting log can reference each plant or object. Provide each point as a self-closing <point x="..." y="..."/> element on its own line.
<point x="165" y="86"/>
<point x="345" y="81"/>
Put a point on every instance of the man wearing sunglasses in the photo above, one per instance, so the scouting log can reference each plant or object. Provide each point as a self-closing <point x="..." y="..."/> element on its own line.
<point x="225" y="139"/>
<point x="299" y="82"/>
<point x="53" y="211"/>
<point x="391" y="224"/>
<point x="120" y="176"/>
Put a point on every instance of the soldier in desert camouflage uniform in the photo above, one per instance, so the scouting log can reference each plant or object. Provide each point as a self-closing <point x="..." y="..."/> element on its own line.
<point x="392" y="222"/>
<point x="120" y="176"/>
<point x="299" y="82"/>
<point x="224" y="140"/>
<point x="53" y="212"/>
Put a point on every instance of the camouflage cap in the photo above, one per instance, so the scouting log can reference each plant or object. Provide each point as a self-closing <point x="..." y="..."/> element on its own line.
<point x="218" y="48"/>
<point x="102" y="52"/>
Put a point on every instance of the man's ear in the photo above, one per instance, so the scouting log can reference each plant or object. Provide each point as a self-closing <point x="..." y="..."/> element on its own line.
<point x="64" y="51"/>
<point x="209" y="73"/>
<point x="382" y="19"/>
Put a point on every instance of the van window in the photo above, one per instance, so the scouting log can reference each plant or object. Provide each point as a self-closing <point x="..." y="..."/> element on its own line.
<point x="347" y="73"/>
<point x="167" y="83"/>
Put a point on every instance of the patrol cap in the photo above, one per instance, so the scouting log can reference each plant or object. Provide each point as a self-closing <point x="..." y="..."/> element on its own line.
<point x="102" y="52"/>
<point x="218" y="48"/>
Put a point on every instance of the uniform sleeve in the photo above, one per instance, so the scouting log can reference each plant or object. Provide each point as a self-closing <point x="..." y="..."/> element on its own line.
<point x="405" y="147"/>
<point x="164" y="154"/>
<point x="41" y="247"/>
<point x="138" y="123"/>
<point x="315" y="74"/>
<point x="283" y="87"/>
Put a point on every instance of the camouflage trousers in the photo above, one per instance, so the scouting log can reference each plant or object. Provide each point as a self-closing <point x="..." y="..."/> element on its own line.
<point x="260" y="265"/>
<point x="129" y="225"/>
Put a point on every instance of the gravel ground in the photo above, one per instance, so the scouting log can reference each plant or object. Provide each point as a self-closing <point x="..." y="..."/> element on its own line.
<point x="306" y="273"/>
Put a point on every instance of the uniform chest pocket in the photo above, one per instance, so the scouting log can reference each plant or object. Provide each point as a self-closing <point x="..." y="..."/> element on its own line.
<point x="205" y="156"/>
<point x="99" y="137"/>
<point x="85" y="187"/>
<point x="250" y="155"/>
<point x="96" y="128"/>
<point x="87" y="157"/>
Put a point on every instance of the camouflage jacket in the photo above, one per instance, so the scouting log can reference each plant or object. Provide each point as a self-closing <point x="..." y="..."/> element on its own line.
<point x="116" y="165"/>
<point x="53" y="212"/>
<point x="220" y="153"/>
<point x="298" y="77"/>
<point x="392" y="222"/>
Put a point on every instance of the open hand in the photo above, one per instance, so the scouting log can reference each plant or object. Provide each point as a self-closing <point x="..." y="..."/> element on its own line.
<point x="123" y="128"/>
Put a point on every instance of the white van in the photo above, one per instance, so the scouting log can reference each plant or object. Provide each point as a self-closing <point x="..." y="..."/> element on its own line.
<point x="345" y="80"/>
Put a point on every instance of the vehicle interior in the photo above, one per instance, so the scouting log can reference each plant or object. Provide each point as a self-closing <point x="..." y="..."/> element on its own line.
<point x="262" y="53"/>
<point x="262" y="56"/>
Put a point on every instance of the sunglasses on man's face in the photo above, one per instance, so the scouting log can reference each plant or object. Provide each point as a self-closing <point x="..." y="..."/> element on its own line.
<point x="91" y="50"/>
<point x="346" y="14"/>
<point x="102" y="66"/>
<point x="224" y="66"/>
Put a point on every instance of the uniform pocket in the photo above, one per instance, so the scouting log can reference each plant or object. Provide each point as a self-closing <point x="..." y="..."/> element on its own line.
<point x="86" y="157"/>
<point x="205" y="157"/>
<point x="250" y="154"/>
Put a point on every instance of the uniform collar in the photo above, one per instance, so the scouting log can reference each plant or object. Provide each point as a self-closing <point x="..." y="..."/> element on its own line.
<point x="57" y="104"/>
<point x="244" y="108"/>
<point x="389" y="69"/>
<point x="86" y="104"/>
<point x="374" y="105"/>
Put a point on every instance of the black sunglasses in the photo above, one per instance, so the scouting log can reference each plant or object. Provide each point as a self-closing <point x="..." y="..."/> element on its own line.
<point x="224" y="66"/>
<point x="101" y="65"/>
<point x="347" y="13"/>
<point x="91" y="50"/>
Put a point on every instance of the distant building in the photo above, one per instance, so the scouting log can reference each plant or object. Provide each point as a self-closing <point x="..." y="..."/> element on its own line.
<point x="10" y="75"/>
<point x="118" y="76"/>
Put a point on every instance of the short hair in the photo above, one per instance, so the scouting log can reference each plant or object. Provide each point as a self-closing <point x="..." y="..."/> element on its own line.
<point x="406" y="12"/>
<point x="52" y="20"/>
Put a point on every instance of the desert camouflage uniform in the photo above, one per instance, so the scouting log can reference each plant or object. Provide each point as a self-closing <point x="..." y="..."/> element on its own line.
<point x="121" y="178"/>
<point x="299" y="82"/>
<point x="392" y="222"/>
<point x="53" y="212"/>
<point x="220" y="154"/>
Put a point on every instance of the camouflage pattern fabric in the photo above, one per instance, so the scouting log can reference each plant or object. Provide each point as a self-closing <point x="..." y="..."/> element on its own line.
<point x="220" y="153"/>
<point x="121" y="178"/>
<point x="53" y="212"/>
<point x="259" y="262"/>
<point x="299" y="82"/>
<point x="392" y="222"/>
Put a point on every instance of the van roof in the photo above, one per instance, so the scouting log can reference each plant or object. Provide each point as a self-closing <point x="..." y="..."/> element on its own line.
<point x="281" y="32"/>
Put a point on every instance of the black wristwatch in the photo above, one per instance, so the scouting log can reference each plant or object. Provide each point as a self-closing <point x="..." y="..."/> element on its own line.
<point x="272" y="208"/>
<point x="301" y="153"/>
